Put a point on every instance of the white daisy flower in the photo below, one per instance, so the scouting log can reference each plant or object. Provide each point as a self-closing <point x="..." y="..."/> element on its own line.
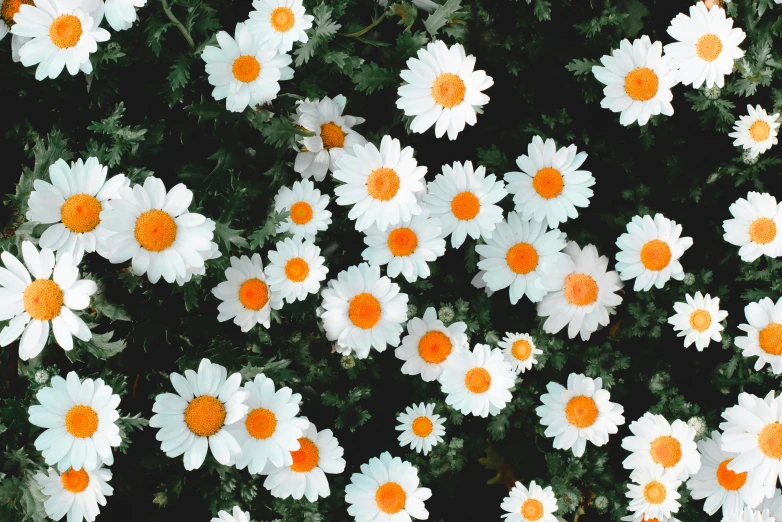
<point x="194" y="419"/>
<point x="515" y="252"/>
<point x="429" y="343"/>
<point x="756" y="226"/>
<point x="773" y="505"/>
<point x="477" y="382"/>
<point x="307" y="207"/>
<point x="319" y="453"/>
<point x="406" y="247"/>
<point x="270" y="430"/>
<point x="756" y="132"/>
<point x="533" y="504"/>
<point x="650" y="252"/>
<point x="295" y="269"/>
<point x="279" y="23"/>
<point x="154" y="229"/>
<point x="750" y="515"/>
<point x="362" y="310"/>
<point x="421" y="428"/>
<point x="62" y="36"/>
<point x="706" y="46"/>
<point x="698" y="320"/>
<point x="520" y="351"/>
<point x="381" y="185"/>
<point x="8" y="9"/>
<point x="656" y="441"/>
<point x="638" y="80"/>
<point x="653" y="494"/>
<point x="582" y="292"/>
<point x="245" y="295"/>
<point x="333" y="136"/>
<point x="551" y="184"/>
<point x="764" y="334"/>
<point x="465" y="200"/>
<point x="121" y="14"/>
<point x="244" y="71"/>
<point x="386" y="489"/>
<point x="32" y="305"/>
<point x="443" y="90"/>
<point x="721" y="487"/>
<point x="206" y="255"/>
<point x="75" y="495"/>
<point x="236" y="515"/>
<point x="579" y="413"/>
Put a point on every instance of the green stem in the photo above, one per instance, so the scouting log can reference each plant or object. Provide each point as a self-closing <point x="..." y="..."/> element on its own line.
<point x="366" y="29"/>
<point x="178" y="24"/>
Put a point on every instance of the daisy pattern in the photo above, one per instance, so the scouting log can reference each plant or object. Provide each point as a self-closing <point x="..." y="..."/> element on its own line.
<point x="280" y="23"/>
<point x="429" y="343"/>
<point x="194" y="419"/>
<point x="307" y="210"/>
<point x="650" y="252"/>
<point x="477" y="382"/>
<point x="579" y="413"/>
<point x="698" y="320"/>
<point x="421" y="428"/>
<point x="706" y="46"/>
<point x="61" y="36"/>
<point x="79" y="420"/>
<point x="756" y="226"/>
<point x="243" y="70"/>
<point x="362" y="310"/>
<point x="386" y="489"/>
<point x="465" y="200"/>
<point x="656" y="441"/>
<point x="551" y="184"/>
<point x="515" y="252"/>
<point x="51" y="298"/>
<point x="8" y="9"/>
<point x="381" y="185"/>
<point x="295" y="269"/>
<point x="638" y="80"/>
<point x="764" y="334"/>
<point x="245" y="294"/>
<point x="121" y="14"/>
<point x="530" y="504"/>
<point x="236" y="515"/>
<point x="582" y="292"/>
<point x="333" y="136"/>
<point x="653" y="494"/>
<point x="756" y="132"/>
<point x="74" y="494"/>
<point x="520" y="351"/>
<point x="443" y="90"/>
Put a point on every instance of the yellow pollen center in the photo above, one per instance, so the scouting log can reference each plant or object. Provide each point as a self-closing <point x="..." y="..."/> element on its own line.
<point x="770" y="339"/>
<point x="364" y="311"/>
<point x="581" y="411"/>
<point x="254" y="294"/>
<point x="770" y="440"/>
<point x="301" y="212"/>
<point x="383" y="184"/>
<point x="155" y="230"/>
<point x="548" y="183"/>
<point x="282" y="19"/>
<point x="759" y="130"/>
<point x="700" y="320"/>
<point x="728" y="479"/>
<point x="306" y="457"/>
<point x="81" y="421"/>
<point x="80" y="213"/>
<point x="9" y="8"/>
<point x="666" y="450"/>
<point x="261" y="423"/>
<point x="641" y="84"/>
<point x="332" y="136"/>
<point x="390" y="498"/>
<point x="434" y="347"/>
<point x="448" y="90"/>
<point x="422" y="427"/>
<point x="297" y="269"/>
<point x="521" y="349"/>
<point x="246" y="68"/>
<point x="655" y="492"/>
<point x="708" y="47"/>
<point x="477" y="380"/>
<point x="42" y="299"/>
<point x="465" y="206"/>
<point x="655" y="255"/>
<point x="580" y="289"/>
<point x="762" y="231"/>
<point x="532" y="509"/>
<point x="402" y="242"/>
<point x="65" y="31"/>
<point x="75" y="481"/>
<point x="205" y="415"/>
<point x="522" y="258"/>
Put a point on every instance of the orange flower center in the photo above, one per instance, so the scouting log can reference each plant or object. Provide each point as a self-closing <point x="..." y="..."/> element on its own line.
<point x="522" y="258"/>
<point x="708" y="47"/>
<point x="402" y="242"/>
<point x="477" y="380"/>
<point x="655" y="255"/>
<point x="297" y="269"/>
<point x="521" y="349"/>
<point x="301" y="212"/>
<point x="759" y="130"/>
<point x="75" y="481"/>
<point x="770" y="440"/>
<point x="700" y="320"/>
<point x="422" y="427"/>
<point x="762" y="231"/>
<point x="246" y="68"/>
<point x="42" y="299"/>
<point x="728" y="479"/>
<point x="390" y="498"/>
<point x="448" y="90"/>
<point x="254" y="294"/>
<point x="9" y="8"/>
<point x="205" y="415"/>
<point x="666" y="450"/>
<point x="383" y="184"/>
<point x="332" y="136"/>
<point x="434" y="347"/>
<point x="548" y="183"/>
<point x="364" y="310"/>
<point x="532" y="509"/>
<point x="465" y="206"/>
<point x="581" y="411"/>
<point x="770" y="339"/>
<point x="580" y="289"/>
<point x="655" y="492"/>
<point x="641" y="84"/>
<point x="306" y="457"/>
<point x="155" y="230"/>
<point x="282" y="19"/>
<point x="261" y="423"/>
<point x="65" y="31"/>
<point x="80" y="213"/>
<point x="81" y="421"/>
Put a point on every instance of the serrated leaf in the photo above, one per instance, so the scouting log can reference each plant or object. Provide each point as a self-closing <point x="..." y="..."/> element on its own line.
<point x="435" y="21"/>
<point x="371" y="77"/>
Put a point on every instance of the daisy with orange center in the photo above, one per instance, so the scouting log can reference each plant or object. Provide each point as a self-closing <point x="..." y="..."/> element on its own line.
<point x="656" y="441"/>
<point x="245" y="294"/>
<point x="295" y="269"/>
<point x="653" y="493"/>
<point x="764" y="334"/>
<point x="756" y="226"/>
<point x="698" y="320"/>
<point x="74" y="495"/>
<point x="477" y="382"/>
<point x="421" y="428"/>
<point x="530" y="504"/>
<point x="278" y="24"/>
<point x="8" y="9"/>
<point x="306" y="207"/>
<point x="520" y="351"/>
<point x="757" y="132"/>
<point x="429" y="343"/>
<point x="579" y="413"/>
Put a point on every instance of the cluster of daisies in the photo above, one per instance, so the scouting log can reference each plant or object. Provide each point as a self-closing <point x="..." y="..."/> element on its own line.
<point x="639" y="76"/>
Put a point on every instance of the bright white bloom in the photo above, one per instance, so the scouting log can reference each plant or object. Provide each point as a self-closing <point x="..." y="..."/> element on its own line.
<point x="194" y="419"/>
<point x="551" y="184"/>
<point x="514" y="254"/>
<point x="706" y="48"/>
<point x="9" y="8"/>
<point x="206" y="255"/>
<point x="582" y="292"/>
<point x="698" y="320"/>
<point x="533" y="504"/>
<point x="442" y="89"/>
<point x="307" y="207"/>
<point x="773" y="505"/>
<point x="477" y="382"/>
<point x="295" y="269"/>
<point x="650" y="250"/>
<point x="50" y="298"/>
<point x="653" y="494"/>
<point x="386" y="489"/>
<point x="333" y="136"/>
<point x="381" y="185"/>
<point x="279" y="23"/>
<point x="75" y="495"/>
<point x="751" y="515"/>
<point x="245" y="294"/>
<point x="429" y="343"/>
<point x="465" y="200"/>
<point x="421" y="428"/>
<point x="756" y="132"/>
<point x="236" y="515"/>
<point x="520" y="351"/>
<point x="764" y="334"/>
<point x="244" y="71"/>
<point x="638" y="80"/>
<point x="657" y="441"/>
<point x="578" y="414"/>
<point x="121" y="14"/>
<point x="362" y="310"/>
<point x="756" y="226"/>
<point x="62" y="36"/>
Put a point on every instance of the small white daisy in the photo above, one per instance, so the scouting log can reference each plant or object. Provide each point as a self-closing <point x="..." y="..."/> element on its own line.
<point x="653" y="494"/>
<point x="750" y="515"/>
<point x="75" y="495"/>
<point x="764" y="334"/>
<point x="295" y="269"/>
<point x="533" y="504"/>
<point x="307" y="207"/>
<point x="443" y="90"/>
<point x="520" y="351"/>
<point x="477" y="382"/>
<point x="280" y="23"/>
<point x="245" y="294"/>
<point x="421" y="428"/>
<point x="656" y="441"/>
<point x="756" y="226"/>
<point x="236" y="515"/>
<point x="698" y="320"/>
<point x="465" y="200"/>
<point x="756" y="132"/>
<point x="429" y="343"/>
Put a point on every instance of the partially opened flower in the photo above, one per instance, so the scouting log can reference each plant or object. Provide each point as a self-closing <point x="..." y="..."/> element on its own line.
<point x="657" y="441"/>
<point x="533" y="504"/>
<point x="74" y="494"/>
<point x="429" y="343"/>
<point x="756" y="226"/>
<point x="764" y="334"/>
<point x="756" y="132"/>
<point x="245" y="294"/>
<point x="421" y="428"/>
<point x="477" y="382"/>
<point x="698" y="320"/>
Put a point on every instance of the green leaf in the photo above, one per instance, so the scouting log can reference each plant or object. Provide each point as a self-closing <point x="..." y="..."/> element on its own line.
<point x="371" y="77"/>
<point x="268" y="230"/>
<point x="580" y="66"/>
<point x="435" y="21"/>
<point x="102" y="347"/>
<point x="230" y="237"/>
